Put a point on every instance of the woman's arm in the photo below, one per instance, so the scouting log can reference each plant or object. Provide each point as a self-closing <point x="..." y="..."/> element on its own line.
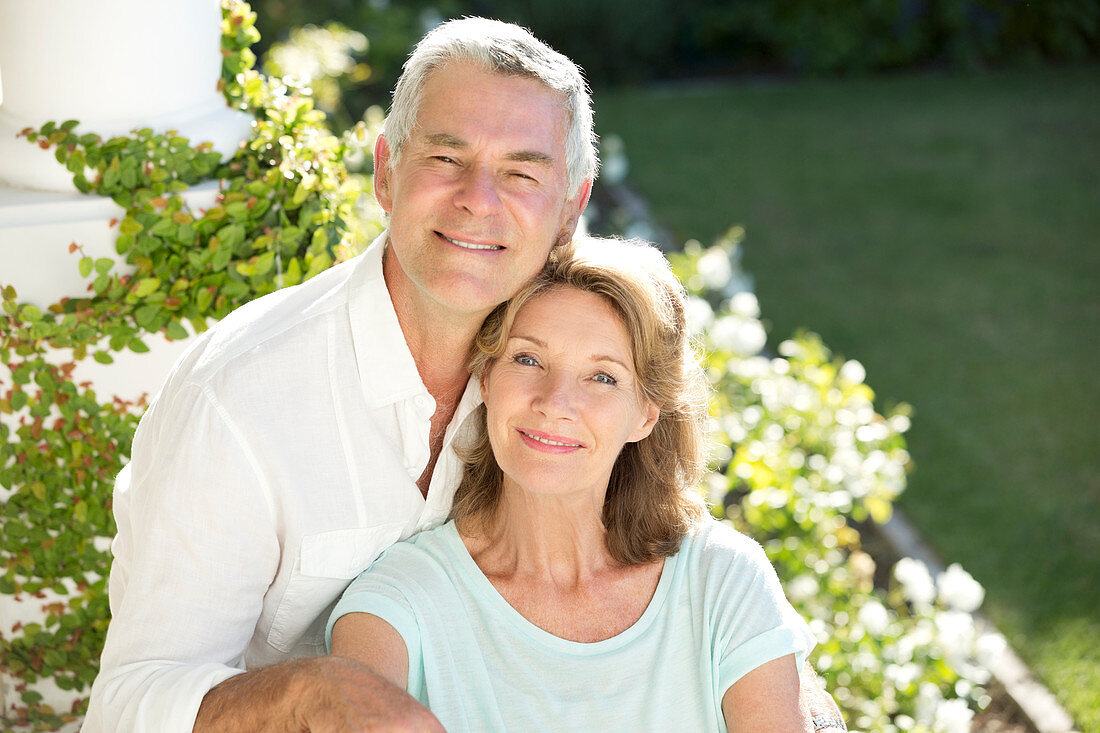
<point x="374" y="643"/>
<point x="767" y="698"/>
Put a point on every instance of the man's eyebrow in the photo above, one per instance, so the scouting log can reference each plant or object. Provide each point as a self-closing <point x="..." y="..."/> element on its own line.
<point x="444" y="140"/>
<point x="531" y="156"/>
<point x="447" y="140"/>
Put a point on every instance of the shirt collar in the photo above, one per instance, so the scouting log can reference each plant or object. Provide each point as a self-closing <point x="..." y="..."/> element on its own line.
<point x="387" y="371"/>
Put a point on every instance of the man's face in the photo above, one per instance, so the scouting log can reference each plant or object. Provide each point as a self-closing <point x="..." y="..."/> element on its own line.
<point x="480" y="194"/>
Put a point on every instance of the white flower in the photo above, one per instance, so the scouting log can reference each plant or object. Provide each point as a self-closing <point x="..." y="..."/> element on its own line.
<point x="853" y="372"/>
<point x="873" y="617"/>
<point x="802" y="588"/>
<point x="745" y="304"/>
<point x="717" y="487"/>
<point x="903" y="675"/>
<point x="959" y="590"/>
<point x="989" y="649"/>
<point x="927" y="703"/>
<point x="953" y="716"/>
<point x="916" y="581"/>
<point x="955" y="632"/>
<point x="614" y="164"/>
<point x="714" y="267"/>
<point x="738" y="335"/>
<point x="698" y="313"/>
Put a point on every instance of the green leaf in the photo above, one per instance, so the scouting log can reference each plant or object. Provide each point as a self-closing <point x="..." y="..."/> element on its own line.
<point x="231" y="235"/>
<point x="203" y="299"/>
<point x="147" y="286"/>
<point x="145" y="315"/>
<point x="103" y="265"/>
<point x="175" y="331"/>
<point x="103" y="357"/>
<point x="86" y="264"/>
<point x="130" y="225"/>
<point x="30" y="313"/>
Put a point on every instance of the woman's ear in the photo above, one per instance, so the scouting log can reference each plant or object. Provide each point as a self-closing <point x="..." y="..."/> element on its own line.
<point x="650" y="413"/>
<point x="484" y="381"/>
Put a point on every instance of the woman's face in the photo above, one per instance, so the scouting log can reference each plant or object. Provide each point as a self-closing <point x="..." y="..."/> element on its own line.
<point x="562" y="400"/>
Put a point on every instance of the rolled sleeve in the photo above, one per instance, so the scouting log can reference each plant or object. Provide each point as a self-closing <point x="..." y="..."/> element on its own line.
<point x="195" y="553"/>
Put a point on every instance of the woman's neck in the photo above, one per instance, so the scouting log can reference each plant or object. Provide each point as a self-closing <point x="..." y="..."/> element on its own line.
<point x="559" y="540"/>
<point x="548" y="558"/>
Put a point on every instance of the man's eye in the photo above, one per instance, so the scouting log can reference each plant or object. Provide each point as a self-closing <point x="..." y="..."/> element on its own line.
<point x="444" y="158"/>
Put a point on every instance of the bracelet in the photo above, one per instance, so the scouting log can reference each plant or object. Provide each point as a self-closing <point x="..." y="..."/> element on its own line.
<point x="826" y="723"/>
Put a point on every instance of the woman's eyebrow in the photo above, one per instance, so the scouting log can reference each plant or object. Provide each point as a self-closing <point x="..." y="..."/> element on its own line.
<point x="593" y="357"/>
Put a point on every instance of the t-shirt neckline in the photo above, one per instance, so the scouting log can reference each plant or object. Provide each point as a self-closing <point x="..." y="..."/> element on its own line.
<point x="488" y="593"/>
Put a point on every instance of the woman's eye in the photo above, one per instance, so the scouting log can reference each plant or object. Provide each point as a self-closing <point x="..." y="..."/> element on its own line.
<point x="605" y="379"/>
<point x="525" y="360"/>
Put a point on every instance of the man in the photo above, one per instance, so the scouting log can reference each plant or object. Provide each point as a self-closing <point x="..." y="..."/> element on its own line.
<point x="312" y="428"/>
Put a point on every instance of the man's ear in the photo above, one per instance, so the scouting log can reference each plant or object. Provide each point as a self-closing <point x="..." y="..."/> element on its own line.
<point x="382" y="173"/>
<point x="583" y="195"/>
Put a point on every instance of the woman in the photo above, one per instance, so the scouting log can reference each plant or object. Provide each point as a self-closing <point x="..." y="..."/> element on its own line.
<point x="579" y="584"/>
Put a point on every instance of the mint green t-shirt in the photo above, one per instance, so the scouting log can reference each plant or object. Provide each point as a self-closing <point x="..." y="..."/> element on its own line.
<point x="478" y="665"/>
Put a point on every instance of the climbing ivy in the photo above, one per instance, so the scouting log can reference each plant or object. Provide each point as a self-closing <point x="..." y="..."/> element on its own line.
<point x="281" y="215"/>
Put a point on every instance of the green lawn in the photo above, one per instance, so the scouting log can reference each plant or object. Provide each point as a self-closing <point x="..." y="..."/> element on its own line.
<point x="945" y="231"/>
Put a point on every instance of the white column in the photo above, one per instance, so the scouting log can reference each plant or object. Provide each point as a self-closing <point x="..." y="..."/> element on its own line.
<point x="114" y="65"/>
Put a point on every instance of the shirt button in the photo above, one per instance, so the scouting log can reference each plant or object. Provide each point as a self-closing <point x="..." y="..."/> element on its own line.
<point x="421" y="401"/>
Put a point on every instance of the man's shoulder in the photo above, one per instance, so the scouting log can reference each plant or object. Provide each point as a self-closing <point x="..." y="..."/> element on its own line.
<point x="284" y="324"/>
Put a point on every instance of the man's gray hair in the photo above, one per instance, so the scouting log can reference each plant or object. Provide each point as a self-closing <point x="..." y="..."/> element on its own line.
<point x="508" y="50"/>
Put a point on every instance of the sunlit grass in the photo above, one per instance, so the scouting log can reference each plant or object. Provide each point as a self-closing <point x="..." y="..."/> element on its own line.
<point x="945" y="231"/>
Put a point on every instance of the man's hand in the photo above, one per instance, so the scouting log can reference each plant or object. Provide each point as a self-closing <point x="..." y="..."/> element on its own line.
<point x="320" y="695"/>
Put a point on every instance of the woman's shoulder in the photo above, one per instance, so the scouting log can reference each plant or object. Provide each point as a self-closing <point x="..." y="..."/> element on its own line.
<point x="716" y="544"/>
<point x="430" y="552"/>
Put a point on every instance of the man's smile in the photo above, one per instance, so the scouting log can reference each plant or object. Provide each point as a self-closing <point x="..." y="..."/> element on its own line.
<point x="471" y="245"/>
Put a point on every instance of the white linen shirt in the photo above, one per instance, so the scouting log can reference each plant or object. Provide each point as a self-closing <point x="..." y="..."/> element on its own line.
<point x="276" y="463"/>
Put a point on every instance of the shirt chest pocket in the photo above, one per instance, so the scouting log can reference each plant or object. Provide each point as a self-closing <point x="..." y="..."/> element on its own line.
<point x="326" y="563"/>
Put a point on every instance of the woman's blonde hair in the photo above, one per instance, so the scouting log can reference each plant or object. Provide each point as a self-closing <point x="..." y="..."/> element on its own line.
<point x="651" y="500"/>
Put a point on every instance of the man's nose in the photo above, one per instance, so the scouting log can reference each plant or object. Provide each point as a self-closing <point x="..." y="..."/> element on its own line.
<point x="477" y="191"/>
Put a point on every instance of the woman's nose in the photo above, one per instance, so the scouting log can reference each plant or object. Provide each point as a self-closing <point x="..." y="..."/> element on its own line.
<point x="556" y="397"/>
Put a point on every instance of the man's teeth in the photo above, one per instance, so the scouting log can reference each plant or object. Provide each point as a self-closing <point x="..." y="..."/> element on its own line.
<point x="551" y="442"/>
<point x="471" y="245"/>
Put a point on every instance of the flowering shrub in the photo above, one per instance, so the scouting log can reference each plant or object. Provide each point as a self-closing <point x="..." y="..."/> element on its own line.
<point x="801" y="456"/>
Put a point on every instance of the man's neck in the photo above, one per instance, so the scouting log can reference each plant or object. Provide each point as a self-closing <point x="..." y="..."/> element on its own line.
<point x="439" y="340"/>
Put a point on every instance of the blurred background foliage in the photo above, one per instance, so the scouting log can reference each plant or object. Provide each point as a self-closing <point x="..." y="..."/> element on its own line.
<point x="620" y="41"/>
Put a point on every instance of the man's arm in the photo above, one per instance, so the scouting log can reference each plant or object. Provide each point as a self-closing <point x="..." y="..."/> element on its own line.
<point x="360" y="688"/>
<point x="195" y="553"/>
<point x="816" y="700"/>
<point x="320" y="694"/>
